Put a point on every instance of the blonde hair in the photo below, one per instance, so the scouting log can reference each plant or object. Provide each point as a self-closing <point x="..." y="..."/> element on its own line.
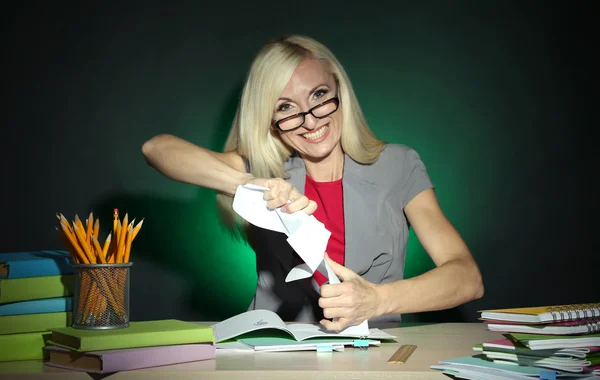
<point x="250" y="135"/>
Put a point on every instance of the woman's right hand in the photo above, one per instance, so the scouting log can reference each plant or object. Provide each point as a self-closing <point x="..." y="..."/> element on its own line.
<point x="280" y="191"/>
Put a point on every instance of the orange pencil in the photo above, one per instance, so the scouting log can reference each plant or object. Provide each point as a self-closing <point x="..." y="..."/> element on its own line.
<point x="115" y="220"/>
<point x="63" y="219"/>
<point x="106" y="245"/>
<point x="84" y="245"/>
<point x="89" y="228"/>
<point x="122" y="236"/>
<point x="137" y="228"/>
<point x="82" y="256"/>
<point x="114" y="244"/>
<point x="99" y="250"/>
<point x="96" y="228"/>
<point x="67" y="245"/>
<point x="128" y="244"/>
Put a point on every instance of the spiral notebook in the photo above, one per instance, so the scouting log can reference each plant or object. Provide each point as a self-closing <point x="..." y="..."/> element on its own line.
<point x="544" y="314"/>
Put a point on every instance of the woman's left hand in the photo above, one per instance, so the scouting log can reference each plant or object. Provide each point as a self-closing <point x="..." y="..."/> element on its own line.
<point x="352" y="301"/>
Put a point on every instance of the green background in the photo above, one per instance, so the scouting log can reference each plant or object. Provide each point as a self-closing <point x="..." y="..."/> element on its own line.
<point x="493" y="95"/>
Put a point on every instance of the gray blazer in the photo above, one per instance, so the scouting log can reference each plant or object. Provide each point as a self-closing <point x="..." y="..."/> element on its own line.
<point x="376" y="232"/>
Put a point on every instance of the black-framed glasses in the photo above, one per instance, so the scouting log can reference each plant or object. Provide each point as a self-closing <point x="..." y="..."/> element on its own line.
<point x="319" y="111"/>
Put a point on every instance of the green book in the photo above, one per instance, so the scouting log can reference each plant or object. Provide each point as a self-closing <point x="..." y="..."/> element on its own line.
<point x="539" y="341"/>
<point x="13" y="324"/>
<point x="33" y="288"/>
<point x="27" y="346"/>
<point x="138" y="334"/>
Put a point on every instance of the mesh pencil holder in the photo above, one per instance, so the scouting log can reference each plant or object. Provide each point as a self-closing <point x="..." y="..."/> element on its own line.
<point x="101" y="299"/>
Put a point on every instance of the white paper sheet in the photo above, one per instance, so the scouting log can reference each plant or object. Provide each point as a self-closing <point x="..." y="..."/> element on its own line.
<point x="307" y="236"/>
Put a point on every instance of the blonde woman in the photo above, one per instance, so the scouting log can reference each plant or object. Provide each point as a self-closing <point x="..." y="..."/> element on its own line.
<point x="300" y="132"/>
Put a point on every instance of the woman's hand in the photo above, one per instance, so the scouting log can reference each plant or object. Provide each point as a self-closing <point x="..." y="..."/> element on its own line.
<point x="280" y="192"/>
<point x="352" y="301"/>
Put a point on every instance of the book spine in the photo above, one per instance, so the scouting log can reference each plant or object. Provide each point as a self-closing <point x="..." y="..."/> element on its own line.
<point x="156" y="356"/>
<point x="25" y="289"/>
<point x="14" y="324"/>
<point x="147" y="339"/>
<point x="49" y="305"/>
<point x="54" y="265"/>
<point x="28" y="346"/>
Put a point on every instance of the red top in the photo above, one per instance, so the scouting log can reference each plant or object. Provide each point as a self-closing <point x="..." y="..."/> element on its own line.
<point x="329" y="197"/>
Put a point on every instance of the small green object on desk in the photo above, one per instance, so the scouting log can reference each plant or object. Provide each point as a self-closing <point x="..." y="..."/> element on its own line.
<point x="362" y="344"/>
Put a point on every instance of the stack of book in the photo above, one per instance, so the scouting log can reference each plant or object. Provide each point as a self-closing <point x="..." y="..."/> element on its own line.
<point x="546" y="342"/>
<point x="36" y="290"/>
<point x="143" y="344"/>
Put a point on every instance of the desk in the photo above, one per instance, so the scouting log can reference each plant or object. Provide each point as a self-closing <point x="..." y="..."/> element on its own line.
<point x="435" y="342"/>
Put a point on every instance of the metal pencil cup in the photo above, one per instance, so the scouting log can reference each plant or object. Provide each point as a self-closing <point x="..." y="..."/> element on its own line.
<point x="101" y="299"/>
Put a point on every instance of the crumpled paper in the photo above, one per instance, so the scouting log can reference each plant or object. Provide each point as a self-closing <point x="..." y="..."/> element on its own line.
<point x="305" y="234"/>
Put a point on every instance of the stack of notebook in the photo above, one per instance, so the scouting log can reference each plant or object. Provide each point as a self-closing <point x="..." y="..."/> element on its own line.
<point x="545" y="342"/>
<point x="143" y="344"/>
<point x="36" y="290"/>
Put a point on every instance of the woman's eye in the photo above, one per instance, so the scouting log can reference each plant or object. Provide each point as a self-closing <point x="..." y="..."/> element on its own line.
<point x="283" y="107"/>
<point x="320" y="93"/>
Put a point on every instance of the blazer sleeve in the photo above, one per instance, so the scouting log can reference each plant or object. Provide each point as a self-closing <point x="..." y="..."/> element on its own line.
<point x="414" y="178"/>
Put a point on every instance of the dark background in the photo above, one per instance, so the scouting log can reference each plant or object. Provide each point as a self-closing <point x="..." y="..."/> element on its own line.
<point x="497" y="97"/>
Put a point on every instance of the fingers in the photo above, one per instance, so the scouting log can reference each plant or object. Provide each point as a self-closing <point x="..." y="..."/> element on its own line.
<point x="299" y="202"/>
<point x="282" y="194"/>
<point x="333" y="290"/>
<point x="335" y="312"/>
<point x="337" y="325"/>
<point x="278" y="193"/>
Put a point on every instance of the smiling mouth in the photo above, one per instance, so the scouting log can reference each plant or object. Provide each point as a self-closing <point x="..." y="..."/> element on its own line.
<point x="316" y="134"/>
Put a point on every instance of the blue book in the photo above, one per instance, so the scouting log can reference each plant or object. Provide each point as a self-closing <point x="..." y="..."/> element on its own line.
<point x="48" y="305"/>
<point x="35" y="264"/>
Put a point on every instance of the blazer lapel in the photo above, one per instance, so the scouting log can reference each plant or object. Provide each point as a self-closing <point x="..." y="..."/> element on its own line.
<point x="360" y="212"/>
<point x="360" y="218"/>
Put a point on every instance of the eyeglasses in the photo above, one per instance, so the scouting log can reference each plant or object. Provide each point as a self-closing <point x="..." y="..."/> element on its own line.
<point x="319" y="111"/>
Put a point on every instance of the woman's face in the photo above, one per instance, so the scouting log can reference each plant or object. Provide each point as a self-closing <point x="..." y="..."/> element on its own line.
<point x="310" y="85"/>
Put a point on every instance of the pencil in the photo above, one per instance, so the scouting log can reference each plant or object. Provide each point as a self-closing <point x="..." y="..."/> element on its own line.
<point x="99" y="251"/>
<point x="122" y="236"/>
<point x="106" y="245"/>
<point x="128" y="244"/>
<point x="137" y="228"/>
<point x="96" y="228"/>
<point x="89" y="228"/>
<point x="82" y="256"/>
<point x="86" y="249"/>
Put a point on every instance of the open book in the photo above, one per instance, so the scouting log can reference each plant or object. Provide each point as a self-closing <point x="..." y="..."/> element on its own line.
<point x="265" y="330"/>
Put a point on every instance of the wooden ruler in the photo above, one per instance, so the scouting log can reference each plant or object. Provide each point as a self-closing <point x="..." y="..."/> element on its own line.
<point x="402" y="354"/>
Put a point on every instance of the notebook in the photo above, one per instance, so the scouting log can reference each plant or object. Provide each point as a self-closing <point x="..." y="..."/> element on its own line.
<point x="539" y="342"/>
<point x="478" y="367"/>
<point x="556" y="328"/>
<point x="32" y="288"/>
<point x="48" y="305"/>
<point x="26" y="346"/>
<point x="506" y="345"/>
<point x="14" y="324"/>
<point x="544" y="314"/>
<point x="560" y="363"/>
<point x="35" y="264"/>
<point x="110" y="361"/>
<point x="138" y="334"/>
<point x="264" y="328"/>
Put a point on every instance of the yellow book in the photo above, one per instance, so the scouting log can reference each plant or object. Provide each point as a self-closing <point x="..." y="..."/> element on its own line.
<point x="544" y="314"/>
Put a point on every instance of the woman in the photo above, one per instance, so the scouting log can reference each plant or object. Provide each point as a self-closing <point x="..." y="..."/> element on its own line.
<point x="300" y="132"/>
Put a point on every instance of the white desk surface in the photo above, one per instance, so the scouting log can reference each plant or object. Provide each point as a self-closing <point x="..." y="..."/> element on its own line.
<point x="434" y="342"/>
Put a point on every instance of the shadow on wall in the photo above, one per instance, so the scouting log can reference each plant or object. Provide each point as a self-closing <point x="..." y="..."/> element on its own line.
<point x="186" y="257"/>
